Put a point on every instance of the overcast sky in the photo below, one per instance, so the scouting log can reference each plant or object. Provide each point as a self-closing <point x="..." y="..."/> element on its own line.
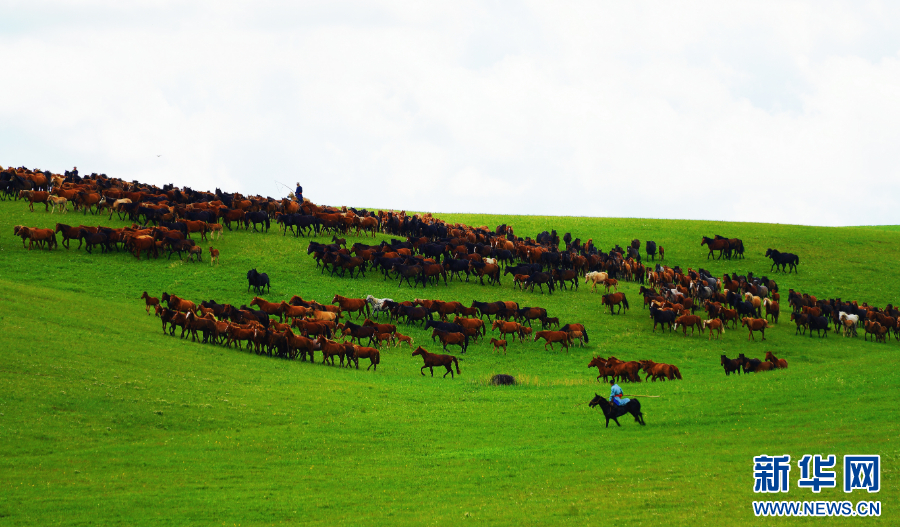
<point x="780" y="112"/>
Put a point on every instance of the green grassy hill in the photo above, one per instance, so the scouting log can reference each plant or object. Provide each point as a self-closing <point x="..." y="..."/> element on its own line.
<point x="105" y="420"/>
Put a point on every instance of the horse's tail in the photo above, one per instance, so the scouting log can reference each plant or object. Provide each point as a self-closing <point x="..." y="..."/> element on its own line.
<point x="457" y="366"/>
<point x="796" y="260"/>
<point x="625" y="301"/>
<point x="466" y="343"/>
<point x="376" y="358"/>
<point x="677" y="372"/>
<point x="267" y="222"/>
<point x="584" y="331"/>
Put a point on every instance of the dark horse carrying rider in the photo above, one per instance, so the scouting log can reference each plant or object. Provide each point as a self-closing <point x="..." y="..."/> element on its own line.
<point x="617" y="405"/>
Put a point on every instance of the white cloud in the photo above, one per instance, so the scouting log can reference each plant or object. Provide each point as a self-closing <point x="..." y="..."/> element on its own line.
<point x="780" y="112"/>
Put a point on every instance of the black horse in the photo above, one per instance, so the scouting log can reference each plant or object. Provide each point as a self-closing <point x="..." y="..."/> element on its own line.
<point x="651" y="249"/>
<point x="632" y="407"/>
<point x="258" y="280"/>
<point x="260" y="217"/>
<point x="783" y="260"/>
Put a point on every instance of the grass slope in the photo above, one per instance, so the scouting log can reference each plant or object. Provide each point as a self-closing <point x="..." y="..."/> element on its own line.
<point x="105" y="420"/>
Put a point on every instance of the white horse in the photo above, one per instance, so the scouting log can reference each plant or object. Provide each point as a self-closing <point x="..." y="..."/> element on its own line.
<point x="850" y="322"/>
<point x="597" y="277"/>
<point x="378" y="304"/>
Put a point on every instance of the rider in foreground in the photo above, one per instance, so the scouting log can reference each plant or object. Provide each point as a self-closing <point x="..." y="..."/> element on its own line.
<point x="615" y="395"/>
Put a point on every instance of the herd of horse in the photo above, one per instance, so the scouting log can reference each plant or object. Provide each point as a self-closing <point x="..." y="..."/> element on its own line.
<point x="771" y="362"/>
<point x="426" y="251"/>
<point x="299" y="328"/>
<point x="630" y="371"/>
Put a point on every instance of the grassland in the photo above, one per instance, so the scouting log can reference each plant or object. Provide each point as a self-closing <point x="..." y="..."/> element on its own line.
<point x="105" y="420"/>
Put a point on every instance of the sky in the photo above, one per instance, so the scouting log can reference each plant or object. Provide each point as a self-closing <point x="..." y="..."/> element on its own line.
<point x="781" y="112"/>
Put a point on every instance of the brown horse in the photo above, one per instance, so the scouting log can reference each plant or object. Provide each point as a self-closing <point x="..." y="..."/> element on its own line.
<point x="550" y="337"/>
<point x="625" y="371"/>
<point x="714" y="325"/>
<point x="380" y="328"/>
<point x="403" y="338"/>
<point x="330" y="349"/>
<point x="446" y="337"/>
<point x="150" y="301"/>
<point x="755" y="324"/>
<point x="715" y="245"/>
<point x="688" y="320"/>
<point x="506" y="328"/>
<point x="178" y="304"/>
<point x="433" y="359"/>
<point x="779" y="363"/>
<point x="602" y="369"/>
<point x="497" y="344"/>
<point x="614" y="300"/>
<point x="374" y="356"/>
<point x="359" y="305"/>
<point x="660" y="371"/>
<point x="269" y="308"/>
<point x="472" y="323"/>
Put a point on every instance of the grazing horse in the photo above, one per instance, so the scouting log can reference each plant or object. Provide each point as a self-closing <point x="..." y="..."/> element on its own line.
<point x="610" y="411"/>
<point x="755" y="324"/>
<point x="783" y="260"/>
<point x="720" y="245"/>
<point x="779" y="363"/>
<point x="359" y="305"/>
<point x="614" y="300"/>
<point x="731" y="365"/>
<point x="433" y="359"/>
<point x="258" y="280"/>
<point x="550" y="337"/>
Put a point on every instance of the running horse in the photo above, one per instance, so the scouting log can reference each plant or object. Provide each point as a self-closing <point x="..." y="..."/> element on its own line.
<point x="433" y="359"/>
<point x="720" y="245"/>
<point x="554" y="336"/>
<point x="632" y="407"/>
<point x="755" y="324"/>
<point x="352" y="304"/>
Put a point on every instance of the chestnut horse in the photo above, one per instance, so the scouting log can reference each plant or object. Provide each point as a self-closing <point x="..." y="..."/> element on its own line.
<point x="614" y="300"/>
<point x="269" y="308"/>
<point x="779" y="363"/>
<point x="374" y="356"/>
<point x="550" y="337"/>
<point x="359" y="305"/>
<point x="150" y="301"/>
<point x="433" y="359"/>
<point x="755" y="324"/>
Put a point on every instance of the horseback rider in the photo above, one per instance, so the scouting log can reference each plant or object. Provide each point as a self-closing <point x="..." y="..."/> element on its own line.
<point x="298" y="193"/>
<point x="615" y="394"/>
